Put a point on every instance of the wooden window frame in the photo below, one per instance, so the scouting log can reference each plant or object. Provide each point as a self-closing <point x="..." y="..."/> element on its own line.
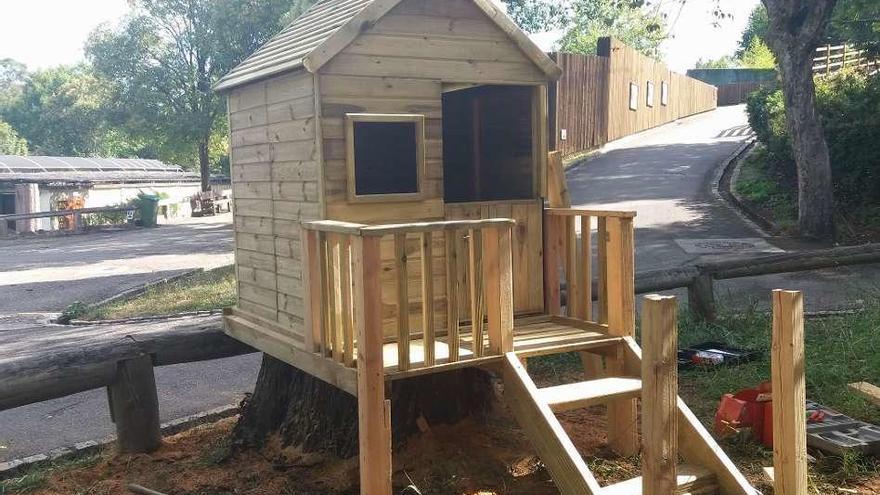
<point x="419" y="121"/>
<point x="649" y="94"/>
<point x="664" y="93"/>
<point x="633" y="97"/>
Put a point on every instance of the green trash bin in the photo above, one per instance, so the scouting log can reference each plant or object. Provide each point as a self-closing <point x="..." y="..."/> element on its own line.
<point x="149" y="206"/>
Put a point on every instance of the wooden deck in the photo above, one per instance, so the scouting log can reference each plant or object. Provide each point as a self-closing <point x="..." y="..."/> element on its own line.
<point x="531" y="335"/>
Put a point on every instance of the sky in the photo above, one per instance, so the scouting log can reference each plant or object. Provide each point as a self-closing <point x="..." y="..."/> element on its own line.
<point x="46" y="33"/>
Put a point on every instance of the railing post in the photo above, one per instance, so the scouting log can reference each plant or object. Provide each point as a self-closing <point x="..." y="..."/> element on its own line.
<point x="313" y="283"/>
<point x="701" y="297"/>
<point x="659" y="395"/>
<point x="374" y="412"/>
<point x="620" y="280"/>
<point x="498" y="280"/>
<point x="789" y="395"/>
<point x="4" y="227"/>
<point x="428" y="341"/>
<point x="553" y="248"/>
<point x="452" y="299"/>
<point x="403" y="334"/>
<point x="78" y="222"/>
<point x="134" y="406"/>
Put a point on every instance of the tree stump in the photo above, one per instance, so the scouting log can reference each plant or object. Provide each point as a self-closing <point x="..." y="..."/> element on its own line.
<point x="307" y="412"/>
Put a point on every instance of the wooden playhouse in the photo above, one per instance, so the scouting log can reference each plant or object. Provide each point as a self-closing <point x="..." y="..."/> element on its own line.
<point x="389" y="163"/>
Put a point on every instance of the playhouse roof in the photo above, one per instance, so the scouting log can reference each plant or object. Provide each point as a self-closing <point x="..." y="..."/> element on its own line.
<point x="330" y="25"/>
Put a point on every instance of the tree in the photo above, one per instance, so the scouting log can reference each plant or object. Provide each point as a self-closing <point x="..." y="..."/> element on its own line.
<point x="755" y="28"/>
<point x="857" y="22"/>
<point x="10" y="142"/>
<point x="59" y="111"/>
<point x="796" y="28"/>
<point x="585" y="21"/>
<point x="164" y="58"/>
<point x="758" y="55"/>
<point x="725" y="62"/>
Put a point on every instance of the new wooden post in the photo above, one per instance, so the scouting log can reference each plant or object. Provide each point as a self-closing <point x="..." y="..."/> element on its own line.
<point x="498" y="280"/>
<point x="374" y="424"/>
<point x="134" y="406"/>
<point x="789" y="395"/>
<point x="659" y="395"/>
<point x="623" y="435"/>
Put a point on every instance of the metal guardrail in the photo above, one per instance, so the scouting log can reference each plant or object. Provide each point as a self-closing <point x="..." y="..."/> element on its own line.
<point x="76" y="214"/>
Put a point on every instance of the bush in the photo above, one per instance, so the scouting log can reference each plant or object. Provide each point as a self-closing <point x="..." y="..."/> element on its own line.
<point x="849" y="107"/>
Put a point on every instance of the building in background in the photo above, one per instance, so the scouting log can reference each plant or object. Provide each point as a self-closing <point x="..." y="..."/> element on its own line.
<point x="30" y="184"/>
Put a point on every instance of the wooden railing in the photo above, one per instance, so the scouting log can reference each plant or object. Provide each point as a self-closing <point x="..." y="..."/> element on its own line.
<point x="342" y="265"/>
<point x="829" y="59"/>
<point x="566" y="259"/>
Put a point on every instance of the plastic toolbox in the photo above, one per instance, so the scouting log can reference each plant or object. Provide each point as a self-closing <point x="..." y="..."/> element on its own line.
<point x="837" y="433"/>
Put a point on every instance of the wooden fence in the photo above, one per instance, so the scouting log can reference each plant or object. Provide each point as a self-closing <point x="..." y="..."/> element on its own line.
<point x="76" y="216"/>
<point x="834" y="58"/>
<point x="617" y="93"/>
<point x="736" y="93"/>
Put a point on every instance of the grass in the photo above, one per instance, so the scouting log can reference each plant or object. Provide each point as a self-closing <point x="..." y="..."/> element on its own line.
<point x="839" y="350"/>
<point x="208" y="290"/>
<point x="772" y="195"/>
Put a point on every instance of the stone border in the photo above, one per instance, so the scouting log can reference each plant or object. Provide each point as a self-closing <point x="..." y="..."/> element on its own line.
<point x="722" y="190"/>
<point x="11" y="468"/>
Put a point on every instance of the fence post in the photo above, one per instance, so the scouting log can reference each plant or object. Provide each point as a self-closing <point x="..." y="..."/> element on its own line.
<point x="827" y="59"/>
<point x="77" y="222"/>
<point x="134" y="406"/>
<point x="4" y="227"/>
<point x="789" y="395"/>
<point x="701" y="297"/>
<point x="659" y="394"/>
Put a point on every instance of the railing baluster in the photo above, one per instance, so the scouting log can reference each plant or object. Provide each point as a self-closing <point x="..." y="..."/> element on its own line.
<point x="327" y="293"/>
<point x="452" y="334"/>
<point x="402" y="302"/>
<point x="428" y="297"/>
<point x="553" y="241"/>
<point x="313" y="282"/>
<point x="337" y="315"/>
<point x="571" y="267"/>
<point x="602" y="268"/>
<point x="585" y="272"/>
<point x="476" y="291"/>
<point x="345" y="287"/>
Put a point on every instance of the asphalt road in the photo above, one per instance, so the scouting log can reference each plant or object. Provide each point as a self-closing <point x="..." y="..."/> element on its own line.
<point x="666" y="175"/>
<point x="46" y="274"/>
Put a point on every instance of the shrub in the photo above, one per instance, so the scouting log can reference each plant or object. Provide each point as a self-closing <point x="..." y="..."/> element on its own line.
<point x="849" y="107"/>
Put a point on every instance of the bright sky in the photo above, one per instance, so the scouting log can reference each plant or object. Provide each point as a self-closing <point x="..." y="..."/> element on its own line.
<point x="44" y="33"/>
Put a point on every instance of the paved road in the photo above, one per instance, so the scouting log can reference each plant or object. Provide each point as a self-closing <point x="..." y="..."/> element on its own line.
<point x="665" y="175"/>
<point x="45" y="274"/>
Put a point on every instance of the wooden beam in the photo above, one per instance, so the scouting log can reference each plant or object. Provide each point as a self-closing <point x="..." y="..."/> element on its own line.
<point x="313" y="283"/>
<point x="557" y="190"/>
<point x="659" y="395"/>
<point x="789" y="394"/>
<point x="868" y="391"/>
<point x="553" y="248"/>
<point x="452" y="330"/>
<point x="374" y="427"/>
<point x="475" y="278"/>
<point x="498" y="280"/>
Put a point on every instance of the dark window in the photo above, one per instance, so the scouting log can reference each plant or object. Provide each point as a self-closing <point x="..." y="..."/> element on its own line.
<point x="385" y="156"/>
<point x="487" y="144"/>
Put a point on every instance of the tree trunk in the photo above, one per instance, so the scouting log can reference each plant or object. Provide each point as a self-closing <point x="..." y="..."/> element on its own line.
<point x="204" y="164"/>
<point x="815" y="190"/>
<point x="316" y="416"/>
<point x="796" y="26"/>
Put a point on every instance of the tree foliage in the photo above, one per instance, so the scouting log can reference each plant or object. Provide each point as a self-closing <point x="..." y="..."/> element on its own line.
<point x="725" y="62"/>
<point x="585" y="21"/>
<point x="756" y="27"/>
<point x="857" y="22"/>
<point x="10" y="142"/>
<point x="758" y="55"/>
<point x="163" y="60"/>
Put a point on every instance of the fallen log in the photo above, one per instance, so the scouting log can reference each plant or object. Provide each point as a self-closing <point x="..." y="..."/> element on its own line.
<point x="49" y="362"/>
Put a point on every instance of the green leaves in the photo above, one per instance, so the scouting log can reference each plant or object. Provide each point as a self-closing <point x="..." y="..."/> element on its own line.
<point x="10" y="142"/>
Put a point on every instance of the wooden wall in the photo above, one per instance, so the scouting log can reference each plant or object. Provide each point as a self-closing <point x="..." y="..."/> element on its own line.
<point x="580" y="106"/>
<point x="400" y="65"/>
<point x="591" y="100"/>
<point x="736" y="93"/>
<point x="626" y="65"/>
<point x="275" y="180"/>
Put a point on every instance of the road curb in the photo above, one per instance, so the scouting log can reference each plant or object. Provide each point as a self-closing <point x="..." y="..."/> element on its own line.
<point x="730" y="167"/>
<point x="13" y="467"/>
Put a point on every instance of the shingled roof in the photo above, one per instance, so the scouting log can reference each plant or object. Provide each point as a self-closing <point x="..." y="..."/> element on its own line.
<point x="323" y="31"/>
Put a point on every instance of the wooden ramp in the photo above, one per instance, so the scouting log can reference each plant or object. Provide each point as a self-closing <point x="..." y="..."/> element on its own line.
<point x="706" y="471"/>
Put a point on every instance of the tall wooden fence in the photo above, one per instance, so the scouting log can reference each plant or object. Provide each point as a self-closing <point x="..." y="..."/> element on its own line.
<point x="736" y="93"/>
<point x="616" y="93"/>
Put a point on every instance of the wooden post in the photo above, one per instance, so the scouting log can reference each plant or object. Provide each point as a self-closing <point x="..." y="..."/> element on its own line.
<point x="78" y="222"/>
<point x="374" y="425"/>
<point x="134" y="406"/>
<point x="557" y="190"/>
<point x="789" y="395"/>
<point x="4" y="228"/>
<point x="701" y="297"/>
<point x="402" y="302"/>
<point x="428" y="297"/>
<point x="498" y="279"/>
<point x="827" y="59"/>
<point x="602" y="269"/>
<point x="452" y="299"/>
<point x="659" y="395"/>
<point x="553" y="248"/>
<point x="623" y="435"/>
